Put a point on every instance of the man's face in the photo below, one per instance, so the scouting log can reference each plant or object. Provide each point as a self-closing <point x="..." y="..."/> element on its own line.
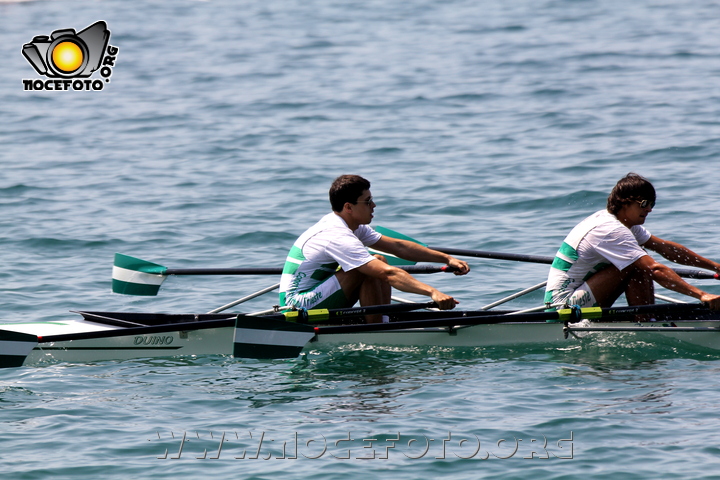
<point x="363" y="208"/>
<point x="635" y="213"/>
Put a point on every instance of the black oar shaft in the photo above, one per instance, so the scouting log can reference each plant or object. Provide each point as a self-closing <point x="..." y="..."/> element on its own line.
<point x="224" y="271"/>
<point x="417" y="269"/>
<point x="683" y="272"/>
<point x="701" y="274"/>
<point x="495" y="255"/>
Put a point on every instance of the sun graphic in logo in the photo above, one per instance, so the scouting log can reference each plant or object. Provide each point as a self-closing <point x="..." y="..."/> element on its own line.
<point x="67" y="56"/>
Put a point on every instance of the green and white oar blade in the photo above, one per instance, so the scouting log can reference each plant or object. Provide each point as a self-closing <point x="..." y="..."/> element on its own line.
<point x="392" y="259"/>
<point x="133" y="276"/>
<point x="393" y="234"/>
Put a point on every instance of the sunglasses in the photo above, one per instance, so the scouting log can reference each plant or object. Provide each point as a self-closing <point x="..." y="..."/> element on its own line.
<point x="367" y="202"/>
<point x="645" y="203"/>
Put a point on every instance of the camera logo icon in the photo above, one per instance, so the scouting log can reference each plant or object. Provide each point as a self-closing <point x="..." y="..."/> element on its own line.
<point x="67" y="54"/>
<point x="67" y="58"/>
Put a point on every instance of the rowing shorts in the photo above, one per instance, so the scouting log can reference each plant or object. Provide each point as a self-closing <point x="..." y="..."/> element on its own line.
<point x="582" y="296"/>
<point x="328" y="294"/>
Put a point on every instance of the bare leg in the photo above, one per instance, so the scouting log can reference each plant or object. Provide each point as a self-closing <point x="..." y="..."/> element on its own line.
<point x="374" y="292"/>
<point x="370" y="291"/>
<point x="640" y="289"/>
<point x="608" y="284"/>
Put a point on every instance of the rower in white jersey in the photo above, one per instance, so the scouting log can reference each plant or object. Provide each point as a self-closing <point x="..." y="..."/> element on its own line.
<point x="329" y="265"/>
<point x="604" y="256"/>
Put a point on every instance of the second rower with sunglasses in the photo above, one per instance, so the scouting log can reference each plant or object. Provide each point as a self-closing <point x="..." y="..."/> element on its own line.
<point x="604" y="256"/>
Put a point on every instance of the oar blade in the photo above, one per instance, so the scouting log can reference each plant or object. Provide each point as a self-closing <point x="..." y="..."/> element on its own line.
<point x="267" y="338"/>
<point x="392" y="259"/>
<point x="400" y="236"/>
<point x="133" y="276"/>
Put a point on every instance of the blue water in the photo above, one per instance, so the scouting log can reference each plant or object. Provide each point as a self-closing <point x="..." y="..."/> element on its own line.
<point x="484" y="125"/>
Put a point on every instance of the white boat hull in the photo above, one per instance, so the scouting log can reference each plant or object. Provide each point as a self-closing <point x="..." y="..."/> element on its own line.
<point x="108" y="338"/>
<point x="212" y="341"/>
<point x="509" y="334"/>
<point x="82" y="341"/>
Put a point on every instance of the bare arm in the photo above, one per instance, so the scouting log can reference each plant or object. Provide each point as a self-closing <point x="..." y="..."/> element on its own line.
<point x="680" y="254"/>
<point x="419" y="253"/>
<point x="667" y="277"/>
<point x="405" y="282"/>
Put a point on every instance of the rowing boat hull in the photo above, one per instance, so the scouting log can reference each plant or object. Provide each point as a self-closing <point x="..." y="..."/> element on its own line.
<point x="267" y="338"/>
<point x="116" y="336"/>
<point x="511" y="334"/>
<point x="211" y="341"/>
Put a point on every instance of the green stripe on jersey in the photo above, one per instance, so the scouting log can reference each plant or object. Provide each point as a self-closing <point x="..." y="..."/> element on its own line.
<point x="569" y="252"/>
<point x="561" y="264"/>
<point x="324" y="272"/>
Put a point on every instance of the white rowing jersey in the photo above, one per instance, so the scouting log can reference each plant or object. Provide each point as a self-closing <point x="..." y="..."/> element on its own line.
<point x="595" y="243"/>
<point x="316" y="255"/>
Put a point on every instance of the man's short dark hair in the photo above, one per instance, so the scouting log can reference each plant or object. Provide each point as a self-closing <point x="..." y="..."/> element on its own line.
<point x="630" y="188"/>
<point x="347" y="188"/>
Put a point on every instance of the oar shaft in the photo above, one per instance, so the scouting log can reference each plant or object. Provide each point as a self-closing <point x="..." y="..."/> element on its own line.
<point x="690" y="273"/>
<point x="224" y="271"/>
<point x="683" y="272"/>
<point x="495" y="255"/>
<point x="417" y="269"/>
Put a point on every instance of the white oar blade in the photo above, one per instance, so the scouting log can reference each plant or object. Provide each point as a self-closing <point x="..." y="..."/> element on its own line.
<point x="132" y="276"/>
<point x="257" y="337"/>
<point x="15" y="347"/>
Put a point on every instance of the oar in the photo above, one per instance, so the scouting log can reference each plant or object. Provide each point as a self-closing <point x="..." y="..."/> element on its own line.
<point x="683" y="272"/>
<point x="134" y="276"/>
<point x="270" y="337"/>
